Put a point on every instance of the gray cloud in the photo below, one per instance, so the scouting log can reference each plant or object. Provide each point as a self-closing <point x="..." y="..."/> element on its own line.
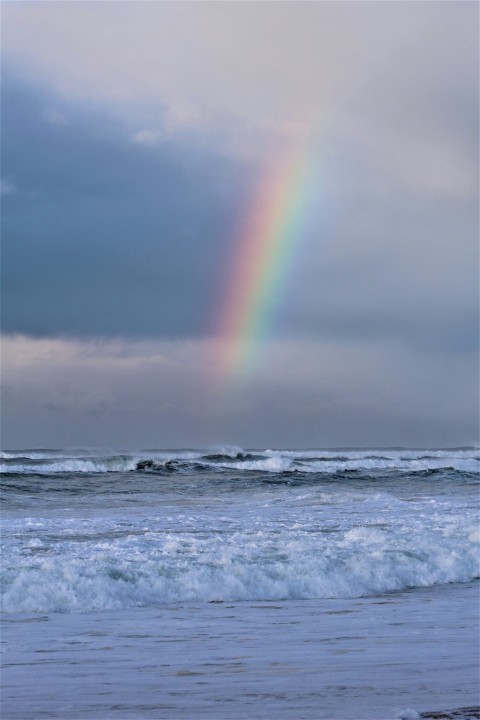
<point x="164" y="394"/>
<point x="389" y="68"/>
<point x="104" y="237"/>
<point x="108" y="237"/>
<point x="131" y="160"/>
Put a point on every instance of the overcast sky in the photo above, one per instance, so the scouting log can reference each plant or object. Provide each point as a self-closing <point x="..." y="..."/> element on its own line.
<point x="136" y="139"/>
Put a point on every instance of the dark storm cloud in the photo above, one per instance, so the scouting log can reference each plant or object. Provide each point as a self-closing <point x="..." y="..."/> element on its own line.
<point x="105" y="236"/>
<point x="135" y="137"/>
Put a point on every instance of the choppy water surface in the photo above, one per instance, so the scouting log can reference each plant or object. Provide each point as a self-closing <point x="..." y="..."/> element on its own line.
<point x="365" y="546"/>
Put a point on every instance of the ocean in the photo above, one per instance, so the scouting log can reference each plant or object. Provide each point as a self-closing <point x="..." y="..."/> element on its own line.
<point x="229" y="583"/>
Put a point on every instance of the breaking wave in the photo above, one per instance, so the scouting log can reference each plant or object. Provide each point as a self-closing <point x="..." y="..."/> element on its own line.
<point x="238" y="460"/>
<point x="122" y="570"/>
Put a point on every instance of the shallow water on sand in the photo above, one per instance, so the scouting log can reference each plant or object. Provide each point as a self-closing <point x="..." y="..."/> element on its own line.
<point x="361" y="659"/>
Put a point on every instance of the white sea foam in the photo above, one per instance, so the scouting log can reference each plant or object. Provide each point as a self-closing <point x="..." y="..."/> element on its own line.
<point x="236" y="459"/>
<point x="275" y="464"/>
<point x="229" y="524"/>
<point x="73" y="465"/>
<point x="104" y="571"/>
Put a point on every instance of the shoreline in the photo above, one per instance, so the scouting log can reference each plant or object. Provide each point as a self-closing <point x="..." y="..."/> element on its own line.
<point x="376" y="658"/>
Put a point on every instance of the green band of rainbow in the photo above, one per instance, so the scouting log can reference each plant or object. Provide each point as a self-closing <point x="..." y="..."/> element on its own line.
<point x="265" y="248"/>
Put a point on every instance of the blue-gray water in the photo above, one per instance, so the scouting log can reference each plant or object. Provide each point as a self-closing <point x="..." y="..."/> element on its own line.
<point x="239" y="584"/>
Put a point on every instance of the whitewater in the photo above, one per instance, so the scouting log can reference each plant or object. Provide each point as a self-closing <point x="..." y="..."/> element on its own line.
<point x="232" y="583"/>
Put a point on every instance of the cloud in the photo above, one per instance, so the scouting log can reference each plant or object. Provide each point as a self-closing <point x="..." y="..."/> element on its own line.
<point x="388" y="73"/>
<point x="165" y="394"/>
<point x="139" y="134"/>
<point x="54" y="117"/>
<point x="7" y="186"/>
<point x="109" y="238"/>
<point x="135" y="239"/>
<point x="150" y="138"/>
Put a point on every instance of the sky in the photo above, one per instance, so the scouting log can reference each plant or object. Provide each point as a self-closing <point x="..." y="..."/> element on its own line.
<point x="239" y="223"/>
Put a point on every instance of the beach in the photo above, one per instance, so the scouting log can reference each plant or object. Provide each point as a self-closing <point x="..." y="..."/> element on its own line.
<point x="373" y="658"/>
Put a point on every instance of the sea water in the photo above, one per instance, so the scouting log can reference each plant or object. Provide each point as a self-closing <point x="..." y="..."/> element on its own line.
<point x="239" y="584"/>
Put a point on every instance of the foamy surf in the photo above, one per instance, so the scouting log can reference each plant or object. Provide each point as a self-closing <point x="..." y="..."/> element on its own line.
<point x="218" y="459"/>
<point x="298" y="580"/>
<point x="122" y="531"/>
<point x="99" y="573"/>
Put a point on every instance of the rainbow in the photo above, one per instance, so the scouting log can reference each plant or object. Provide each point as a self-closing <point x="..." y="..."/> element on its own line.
<point x="263" y="255"/>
